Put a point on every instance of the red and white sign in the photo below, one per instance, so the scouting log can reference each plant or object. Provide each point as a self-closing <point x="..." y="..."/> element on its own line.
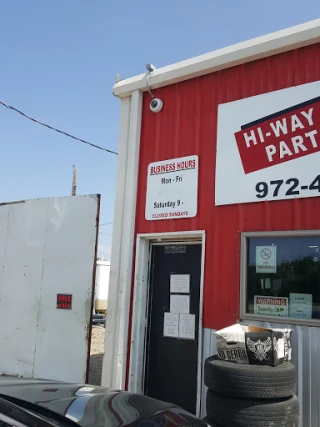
<point x="172" y="189"/>
<point x="266" y="259"/>
<point x="268" y="146"/>
<point x="270" y="306"/>
<point x="64" y="301"/>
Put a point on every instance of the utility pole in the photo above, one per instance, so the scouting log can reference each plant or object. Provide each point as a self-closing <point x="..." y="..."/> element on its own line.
<point x="74" y="181"/>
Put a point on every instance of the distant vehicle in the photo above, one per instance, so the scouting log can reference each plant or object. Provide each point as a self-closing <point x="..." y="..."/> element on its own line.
<point x="98" y="320"/>
<point x="41" y="403"/>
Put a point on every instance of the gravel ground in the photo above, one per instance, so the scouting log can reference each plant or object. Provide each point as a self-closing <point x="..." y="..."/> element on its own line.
<point x="96" y="355"/>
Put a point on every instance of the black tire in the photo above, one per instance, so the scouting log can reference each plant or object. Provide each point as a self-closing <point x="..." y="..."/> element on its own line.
<point x="250" y="381"/>
<point x="230" y="412"/>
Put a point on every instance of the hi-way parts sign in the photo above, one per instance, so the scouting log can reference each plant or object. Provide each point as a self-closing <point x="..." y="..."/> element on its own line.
<point x="172" y="189"/>
<point x="268" y="147"/>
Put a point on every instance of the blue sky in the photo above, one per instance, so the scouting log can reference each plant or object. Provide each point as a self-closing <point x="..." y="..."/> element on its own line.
<point x="58" y="63"/>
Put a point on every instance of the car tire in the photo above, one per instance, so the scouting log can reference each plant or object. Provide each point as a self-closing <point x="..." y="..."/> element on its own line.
<point x="230" y="412"/>
<point x="250" y="381"/>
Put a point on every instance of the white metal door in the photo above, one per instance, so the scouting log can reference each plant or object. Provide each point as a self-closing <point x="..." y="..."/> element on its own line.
<point x="47" y="248"/>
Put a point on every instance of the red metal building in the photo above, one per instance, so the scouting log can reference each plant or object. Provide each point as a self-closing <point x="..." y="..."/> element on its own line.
<point x="179" y="273"/>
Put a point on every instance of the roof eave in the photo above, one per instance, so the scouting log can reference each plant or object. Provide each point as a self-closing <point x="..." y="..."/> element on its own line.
<point x="260" y="47"/>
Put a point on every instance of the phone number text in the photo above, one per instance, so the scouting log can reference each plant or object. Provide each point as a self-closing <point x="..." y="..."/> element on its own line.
<point x="291" y="186"/>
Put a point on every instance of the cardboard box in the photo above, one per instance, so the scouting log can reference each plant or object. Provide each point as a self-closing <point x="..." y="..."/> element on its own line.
<point x="254" y="345"/>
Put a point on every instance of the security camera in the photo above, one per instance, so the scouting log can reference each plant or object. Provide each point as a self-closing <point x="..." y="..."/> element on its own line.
<point x="150" y="68"/>
<point x="156" y="105"/>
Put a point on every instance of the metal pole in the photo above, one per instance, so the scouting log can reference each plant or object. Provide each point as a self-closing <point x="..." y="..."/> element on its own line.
<point x="74" y="181"/>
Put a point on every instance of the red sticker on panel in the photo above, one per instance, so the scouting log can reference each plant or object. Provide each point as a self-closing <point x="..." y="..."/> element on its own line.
<point x="64" y="301"/>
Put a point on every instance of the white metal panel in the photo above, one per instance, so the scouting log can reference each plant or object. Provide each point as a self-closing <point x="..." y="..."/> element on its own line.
<point x="68" y="269"/>
<point x="47" y="247"/>
<point x="22" y="237"/>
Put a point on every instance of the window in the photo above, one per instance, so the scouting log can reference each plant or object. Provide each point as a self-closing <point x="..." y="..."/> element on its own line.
<point x="282" y="276"/>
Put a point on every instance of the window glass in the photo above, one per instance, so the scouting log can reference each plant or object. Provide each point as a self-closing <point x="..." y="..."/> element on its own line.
<point x="283" y="277"/>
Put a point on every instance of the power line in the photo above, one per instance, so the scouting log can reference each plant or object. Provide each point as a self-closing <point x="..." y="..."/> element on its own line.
<point x="106" y="223"/>
<point x="57" y="130"/>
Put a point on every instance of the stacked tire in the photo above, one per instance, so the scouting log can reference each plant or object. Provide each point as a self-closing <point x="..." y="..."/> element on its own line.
<point x="250" y="395"/>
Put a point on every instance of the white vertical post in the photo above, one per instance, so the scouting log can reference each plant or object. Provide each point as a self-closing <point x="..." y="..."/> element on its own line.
<point x="116" y="339"/>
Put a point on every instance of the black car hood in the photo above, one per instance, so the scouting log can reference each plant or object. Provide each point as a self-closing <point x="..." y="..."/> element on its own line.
<point x="93" y="406"/>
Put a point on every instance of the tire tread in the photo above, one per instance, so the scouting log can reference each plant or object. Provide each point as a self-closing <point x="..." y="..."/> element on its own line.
<point x="250" y="381"/>
<point x="231" y="412"/>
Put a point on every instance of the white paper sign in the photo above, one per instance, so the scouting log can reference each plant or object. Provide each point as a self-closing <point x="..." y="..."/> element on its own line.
<point x="270" y="306"/>
<point x="300" y="306"/>
<point x="179" y="304"/>
<point x="266" y="259"/>
<point x="171" y="325"/>
<point x="268" y="146"/>
<point x="180" y="283"/>
<point x="172" y="189"/>
<point x="187" y="326"/>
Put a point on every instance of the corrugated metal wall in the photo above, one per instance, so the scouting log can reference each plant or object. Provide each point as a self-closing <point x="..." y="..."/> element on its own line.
<point x="305" y="356"/>
<point x="188" y="125"/>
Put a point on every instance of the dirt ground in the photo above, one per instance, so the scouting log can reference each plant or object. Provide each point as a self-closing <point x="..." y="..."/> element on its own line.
<point x="96" y="355"/>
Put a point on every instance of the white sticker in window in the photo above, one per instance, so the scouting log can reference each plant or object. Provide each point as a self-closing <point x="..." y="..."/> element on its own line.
<point x="270" y="306"/>
<point x="266" y="259"/>
<point x="300" y="306"/>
